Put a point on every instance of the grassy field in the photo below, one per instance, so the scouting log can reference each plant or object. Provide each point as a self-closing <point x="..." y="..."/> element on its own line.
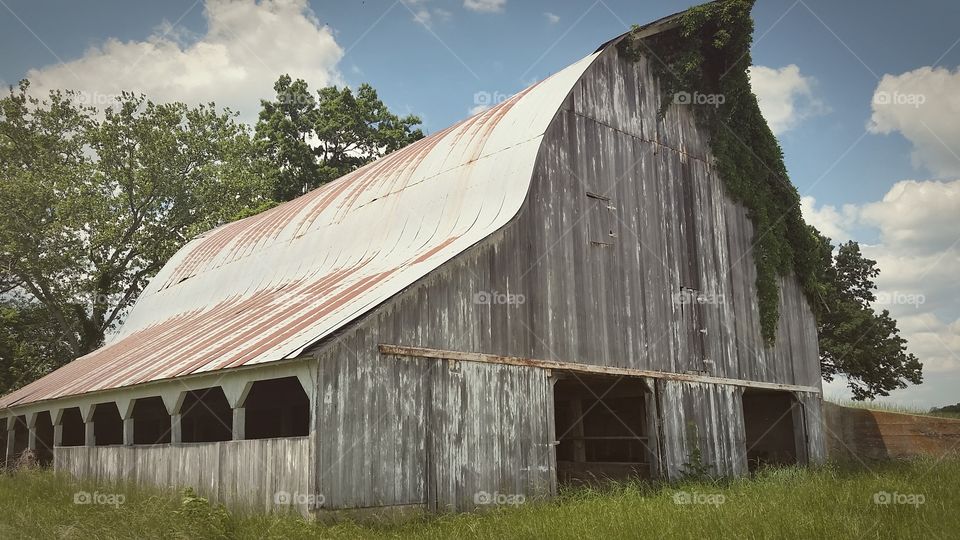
<point x="829" y="502"/>
<point x="892" y="407"/>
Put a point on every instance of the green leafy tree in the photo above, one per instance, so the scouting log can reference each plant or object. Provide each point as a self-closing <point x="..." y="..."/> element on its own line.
<point x="856" y="340"/>
<point x="315" y="139"/>
<point x="95" y="202"/>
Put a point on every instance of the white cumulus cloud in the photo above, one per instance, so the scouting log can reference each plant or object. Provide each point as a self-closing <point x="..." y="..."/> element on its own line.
<point x="918" y="224"/>
<point x="247" y="45"/>
<point x="923" y="105"/>
<point x="552" y="18"/>
<point x="785" y="96"/>
<point x="485" y="6"/>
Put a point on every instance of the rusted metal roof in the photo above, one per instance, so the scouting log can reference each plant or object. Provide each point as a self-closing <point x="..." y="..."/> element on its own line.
<point x="266" y="287"/>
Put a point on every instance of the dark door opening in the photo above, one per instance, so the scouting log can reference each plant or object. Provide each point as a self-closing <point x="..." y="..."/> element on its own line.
<point x="601" y="427"/>
<point x="771" y="433"/>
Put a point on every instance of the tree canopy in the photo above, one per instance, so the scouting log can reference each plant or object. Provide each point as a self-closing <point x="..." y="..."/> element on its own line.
<point x="95" y="202"/>
<point x="315" y="139"/>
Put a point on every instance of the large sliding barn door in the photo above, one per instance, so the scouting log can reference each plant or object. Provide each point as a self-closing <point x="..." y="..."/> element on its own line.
<point x="489" y="435"/>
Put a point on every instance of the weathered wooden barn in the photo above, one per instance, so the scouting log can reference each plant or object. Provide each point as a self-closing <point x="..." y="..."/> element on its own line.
<point x="554" y="290"/>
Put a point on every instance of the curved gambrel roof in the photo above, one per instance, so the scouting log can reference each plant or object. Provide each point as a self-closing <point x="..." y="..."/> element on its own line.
<point x="266" y="287"/>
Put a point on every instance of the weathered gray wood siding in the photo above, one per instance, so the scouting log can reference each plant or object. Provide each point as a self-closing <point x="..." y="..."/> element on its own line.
<point x="371" y="435"/>
<point x="605" y="166"/>
<point x="708" y="417"/>
<point x="416" y="432"/>
<point x="243" y="475"/>
<point x="487" y="435"/>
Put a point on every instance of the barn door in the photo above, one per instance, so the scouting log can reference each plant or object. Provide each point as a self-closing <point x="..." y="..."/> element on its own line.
<point x="489" y="436"/>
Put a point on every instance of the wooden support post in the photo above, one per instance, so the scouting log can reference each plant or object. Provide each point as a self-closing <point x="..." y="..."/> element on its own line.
<point x="176" y="428"/>
<point x="86" y="412"/>
<point x="128" y="431"/>
<point x="89" y="437"/>
<point x="57" y="416"/>
<point x="239" y="423"/>
<point x="236" y="390"/>
<point x="173" y="401"/>
<point x="32" y="431"/>
<point x="125" y="406"/>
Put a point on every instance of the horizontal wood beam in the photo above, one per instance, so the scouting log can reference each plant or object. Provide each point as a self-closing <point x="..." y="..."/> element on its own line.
<point x="422" y="352"/>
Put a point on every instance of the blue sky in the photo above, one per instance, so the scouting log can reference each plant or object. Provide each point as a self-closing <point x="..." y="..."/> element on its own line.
<point x="825" y="63"/>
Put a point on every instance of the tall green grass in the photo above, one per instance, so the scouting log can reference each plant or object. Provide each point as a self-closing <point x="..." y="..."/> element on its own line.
<point x="827" y="502"/>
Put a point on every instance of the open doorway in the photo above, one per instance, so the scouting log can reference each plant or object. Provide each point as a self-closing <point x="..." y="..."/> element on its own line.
<point x="601" y="427"/>
<point x="770" y="423"/>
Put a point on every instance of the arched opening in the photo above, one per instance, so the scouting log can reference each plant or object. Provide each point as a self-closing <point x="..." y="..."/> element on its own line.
<point x="768" y="421"/>
<point x="72" y="430"/>
<point x="206" y="416"/>
<point x="44" y="429"/>
<point x="20" y="438"/>
<point x="277" y="408"/>
<point x="107" y="424"/>
<point x="151" y="423"/>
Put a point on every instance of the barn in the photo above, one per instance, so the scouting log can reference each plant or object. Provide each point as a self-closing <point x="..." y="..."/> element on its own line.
<point x="556" y="290"/>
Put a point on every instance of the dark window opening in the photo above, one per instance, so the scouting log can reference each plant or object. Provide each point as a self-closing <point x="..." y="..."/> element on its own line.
<point x="44" y="430"/>
<point x="107" y="424"/>
<point x="20" y="437"/>
<point x="206" y="416"/>
<point x="601" y="427"/>
<point x="151" y="423"/>
<point x="72" y="430"/>
<point x="768" y="420"/>
<point x="277" y="408"/>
